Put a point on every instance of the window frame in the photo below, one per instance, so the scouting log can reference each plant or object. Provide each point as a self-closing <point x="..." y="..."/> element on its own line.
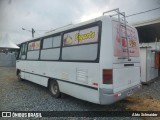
<point x="42" y="40"/>
<point x="25" y="50"/>
<point x="34" y="41"/>
<point x="99" y="25"/>
<point x="39" y="39"/>
<point x="52" y="36"/>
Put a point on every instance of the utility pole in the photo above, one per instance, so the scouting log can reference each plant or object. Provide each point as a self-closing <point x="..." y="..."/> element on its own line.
<point x="32" y="31"/>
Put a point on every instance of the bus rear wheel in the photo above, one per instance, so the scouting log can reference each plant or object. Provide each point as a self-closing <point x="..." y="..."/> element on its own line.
<point x="54" y="89"/>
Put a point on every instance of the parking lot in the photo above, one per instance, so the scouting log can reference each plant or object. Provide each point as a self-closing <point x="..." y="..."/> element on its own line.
<point x="26" y="96"/>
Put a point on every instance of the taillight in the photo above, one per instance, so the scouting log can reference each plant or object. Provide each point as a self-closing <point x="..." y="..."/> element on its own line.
<point x="107" y="76"/>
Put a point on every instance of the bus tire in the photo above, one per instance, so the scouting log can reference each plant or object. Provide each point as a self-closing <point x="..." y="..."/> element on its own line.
<point x="54" y="89"/>
<point x="19" y="76"/>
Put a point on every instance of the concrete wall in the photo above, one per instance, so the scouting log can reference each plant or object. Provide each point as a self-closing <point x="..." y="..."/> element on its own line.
<point x="8" y="60"/>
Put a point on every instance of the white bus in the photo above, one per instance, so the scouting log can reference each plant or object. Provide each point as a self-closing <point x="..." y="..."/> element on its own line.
<point x="92" y="61"/>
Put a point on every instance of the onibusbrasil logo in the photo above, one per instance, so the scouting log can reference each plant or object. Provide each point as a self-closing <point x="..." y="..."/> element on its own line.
<point x="22" y="114"/>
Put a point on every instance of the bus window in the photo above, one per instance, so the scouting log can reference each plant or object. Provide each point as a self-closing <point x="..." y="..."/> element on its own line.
<point x="51" y="48"/>
<point x="82" y="52"/>
<point x="23" y="51"/>
<point x="56" y="41"/>
<point x="47" y="43"/>
<point x="33" y="50"/>
<point x="81" y="45"/>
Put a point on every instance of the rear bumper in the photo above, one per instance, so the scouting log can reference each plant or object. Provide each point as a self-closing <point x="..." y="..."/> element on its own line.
<point x="106" y="98"/>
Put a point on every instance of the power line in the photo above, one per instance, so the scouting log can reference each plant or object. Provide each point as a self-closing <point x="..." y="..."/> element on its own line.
<point x="42" y="30"/>
<point x="59" y="28"/>
<point x="143" y="12"/>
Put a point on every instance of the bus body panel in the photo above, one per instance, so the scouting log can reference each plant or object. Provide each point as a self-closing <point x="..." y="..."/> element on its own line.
<point x="77" y="80"/>
<point x="125" y="76"/>
<point x="80" y="92"/>
<point x="106" y="50"/>
<point x="36" y="79"/>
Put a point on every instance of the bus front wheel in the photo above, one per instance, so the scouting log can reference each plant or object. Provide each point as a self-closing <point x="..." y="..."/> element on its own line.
<point x="19" y="76"/>
<point x="54" y="88"/>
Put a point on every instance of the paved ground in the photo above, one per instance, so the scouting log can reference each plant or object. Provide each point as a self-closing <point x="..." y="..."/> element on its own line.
<point x="26" y="96"/>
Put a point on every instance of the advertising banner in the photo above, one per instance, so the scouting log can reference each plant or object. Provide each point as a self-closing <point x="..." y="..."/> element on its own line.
<point x="120" y="42"/>
<point x="34" y="45"/>
<point x="88" y="35"/>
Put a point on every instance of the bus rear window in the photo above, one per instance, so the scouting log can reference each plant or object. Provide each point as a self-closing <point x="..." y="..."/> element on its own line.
<point x="120" y="42"/>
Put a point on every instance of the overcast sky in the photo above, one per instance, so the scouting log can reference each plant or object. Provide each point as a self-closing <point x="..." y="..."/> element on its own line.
<point x="49" y="14"/>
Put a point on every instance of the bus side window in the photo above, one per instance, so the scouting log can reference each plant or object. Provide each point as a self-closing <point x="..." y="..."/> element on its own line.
<point x="23" y="51"/>
<point x="33" y="50"/>
<point x="81" y="45"/>
<point x="51" y="48"/>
